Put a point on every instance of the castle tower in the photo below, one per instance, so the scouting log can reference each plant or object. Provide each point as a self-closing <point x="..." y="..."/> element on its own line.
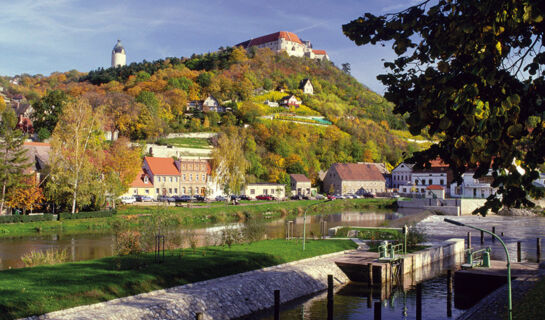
<point x="119" y="57"/>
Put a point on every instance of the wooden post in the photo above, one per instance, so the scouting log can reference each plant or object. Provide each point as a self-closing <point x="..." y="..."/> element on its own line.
<point x="199" y="316"/>
<point x="276" y="304"/>
<point x="493" y="231"/>
<point x="449" y="293"/>
<point x="370" y="299"/>
<point x="519" y="252"/>
<point x="370" y="267"/>
<point x="469" y="240"/>
<point x="378" y="311"/>
<point x="538" y="249"/>
<point x="419" y="301"/>
<point x="330" y="297"/>
<point x="482" y="237"/>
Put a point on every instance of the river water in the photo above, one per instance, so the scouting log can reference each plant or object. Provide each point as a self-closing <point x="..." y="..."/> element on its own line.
<point x="99" y="245"/>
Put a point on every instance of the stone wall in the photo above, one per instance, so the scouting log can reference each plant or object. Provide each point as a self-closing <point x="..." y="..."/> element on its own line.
<point x="223" y="298"/>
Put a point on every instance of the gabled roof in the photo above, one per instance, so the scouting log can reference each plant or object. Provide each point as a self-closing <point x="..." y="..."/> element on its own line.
<point x="304" y="82"/>
<point x="320" y="52"/>
<point x="358" y="172"/>
<point x="299" y="177"/>
<point x="139" y="182"/>
<point x="435" y="187"/>
<point x="286" y="35"/>
<point x="162" y="166"/>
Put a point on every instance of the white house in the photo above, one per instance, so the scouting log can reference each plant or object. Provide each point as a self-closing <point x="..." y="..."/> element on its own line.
<point x="473" y="188"/>
<point x="272" y="104"/>
<point x="306" y="86"/>
<point x="290" y="100"/>
<point x="401" y="175"/>
<point x="211" y="104"/>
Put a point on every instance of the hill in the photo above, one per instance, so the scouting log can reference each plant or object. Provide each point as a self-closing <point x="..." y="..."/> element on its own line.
<point x="147" y="100"/>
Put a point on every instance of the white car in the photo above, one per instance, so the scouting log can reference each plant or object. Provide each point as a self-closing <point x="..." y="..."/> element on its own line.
<point x="128" y="199"/>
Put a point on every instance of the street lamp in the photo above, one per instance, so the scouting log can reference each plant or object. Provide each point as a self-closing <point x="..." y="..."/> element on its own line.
<point x="509" y="297"/>
<point x="305" y="220"/>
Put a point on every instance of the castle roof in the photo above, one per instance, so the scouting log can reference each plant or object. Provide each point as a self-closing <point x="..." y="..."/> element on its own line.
<point x="118" y="48"/>
<point x="286" y="35"/>
<point x="320" y="52"/>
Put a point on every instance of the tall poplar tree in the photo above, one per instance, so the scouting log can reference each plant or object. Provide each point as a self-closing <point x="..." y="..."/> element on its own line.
<point x="228" y="163"/>
<point x="12" y="154"/>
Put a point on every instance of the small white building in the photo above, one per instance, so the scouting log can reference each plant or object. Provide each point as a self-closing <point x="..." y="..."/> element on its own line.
<point x="119" y="56"/>
<point x="306" y="86"/>
<point x="473" y="188"/>
<point x="252" y="190"/>
<point x="435" y="192"/>
<point x="401" y="175"/>
<point x="272" y="104"/>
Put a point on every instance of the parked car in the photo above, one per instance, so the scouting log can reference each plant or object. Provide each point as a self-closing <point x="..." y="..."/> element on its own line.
<point x="395" y="195"/>
<point x="166" y="198"/>
<point x="244" y="197"/>
<point x="265" y="197"/>
<point x="220" y="198"/>
<point x="296" y="197"/>
<point x="127" y="199"/>
<point x="331" y="197"/>
<point x="319" y="197"/>
<point x="200" y="198"/>
<point x="368" y="195"/>
<point x="340" y="196"/>
<point x="140" y="198"/>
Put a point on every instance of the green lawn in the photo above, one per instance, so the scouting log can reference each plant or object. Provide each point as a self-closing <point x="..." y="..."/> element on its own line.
<point x="531" y="305"/>
<point x="37" y="290"/>
<point x="199" y="143"/>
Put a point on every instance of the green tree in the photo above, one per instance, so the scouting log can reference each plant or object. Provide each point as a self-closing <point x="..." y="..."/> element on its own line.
<point x="48" y="109"/>
<point x="471" y="73"/>
<point x="228" y="163"/>
<point x="76" y="156"/>
<point x="12" y="154"/>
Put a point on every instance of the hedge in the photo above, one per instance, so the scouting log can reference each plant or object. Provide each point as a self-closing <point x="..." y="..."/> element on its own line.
<point x="86" y="214"/>
<point x="23" y="218"/>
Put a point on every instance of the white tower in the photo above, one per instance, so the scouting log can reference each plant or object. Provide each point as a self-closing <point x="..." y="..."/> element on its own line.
<point x="119" y="57"/>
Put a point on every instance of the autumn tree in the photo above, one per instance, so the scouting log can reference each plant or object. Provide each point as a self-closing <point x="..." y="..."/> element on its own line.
<point x="471" y="73"/>
<point x="228" y="162"/>
<point x="27" y="196"/>
<point x="121" y="166"/>
<point x="76" y="152"/>
<point x="13" y="159"/>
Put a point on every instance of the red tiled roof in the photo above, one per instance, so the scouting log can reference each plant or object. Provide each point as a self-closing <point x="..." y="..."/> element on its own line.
<point x="322" y="52"/>
<point x="299" y="177"/>
<point x="358" y="172"/>
<point x="162" y="166"/>
<point x="138" y="181"/>
<point x="37" y="144"/>
<point x="434" y="187"/>
<point x="289" y="36"/>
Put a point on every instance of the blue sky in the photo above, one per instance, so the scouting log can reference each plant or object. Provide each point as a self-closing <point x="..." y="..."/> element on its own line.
<point x="44" y="36"/>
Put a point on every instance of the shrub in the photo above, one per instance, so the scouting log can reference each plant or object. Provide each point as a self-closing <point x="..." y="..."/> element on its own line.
<point x="253" y="230"/>
<point x="86" y="214"/>
<point x="128" y="242"/>
<point x="22" y="218"/>
<point x="50" y="256"/>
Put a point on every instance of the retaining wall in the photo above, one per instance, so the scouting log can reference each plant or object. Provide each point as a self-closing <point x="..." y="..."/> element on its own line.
<point x="222" y="298"/>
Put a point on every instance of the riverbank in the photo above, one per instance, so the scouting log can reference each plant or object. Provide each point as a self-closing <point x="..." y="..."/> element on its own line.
<point x="31" y="291"/>
<point x="136" y="216"/>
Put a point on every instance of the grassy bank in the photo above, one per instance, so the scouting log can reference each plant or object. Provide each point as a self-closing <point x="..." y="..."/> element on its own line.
<point x="531" y="305"/>
<point x="37" y="290"/>
<point x="135" y="216"/>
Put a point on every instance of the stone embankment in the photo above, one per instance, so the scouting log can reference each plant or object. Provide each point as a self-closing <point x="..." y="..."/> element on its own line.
<point x="222" y="298"/>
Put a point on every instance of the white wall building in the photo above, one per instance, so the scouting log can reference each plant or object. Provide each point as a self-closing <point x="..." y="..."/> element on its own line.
<point x="288" y="42"/>
<point x="401" y="175"/>
<point x="119" y="56"/>
<point x="473" y="188"/>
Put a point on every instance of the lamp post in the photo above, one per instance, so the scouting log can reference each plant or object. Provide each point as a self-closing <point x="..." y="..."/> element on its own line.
<point x="509" y="297"/>
<point x="305" y="220"/>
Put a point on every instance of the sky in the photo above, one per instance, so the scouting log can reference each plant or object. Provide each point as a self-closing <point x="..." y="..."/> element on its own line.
<point x="45" y="36"/>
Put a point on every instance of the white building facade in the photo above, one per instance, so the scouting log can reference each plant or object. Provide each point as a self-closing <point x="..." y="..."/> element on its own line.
<point x="473" y="188"/>
<point x="401" y="175"/>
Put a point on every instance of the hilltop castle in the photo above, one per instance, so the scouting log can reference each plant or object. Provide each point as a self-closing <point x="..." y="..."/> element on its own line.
<point x="119" y="57"/>
<point x="286" y="41"/>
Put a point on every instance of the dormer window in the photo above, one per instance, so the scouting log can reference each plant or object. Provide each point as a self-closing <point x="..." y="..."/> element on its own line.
<point x="146" y="180"/>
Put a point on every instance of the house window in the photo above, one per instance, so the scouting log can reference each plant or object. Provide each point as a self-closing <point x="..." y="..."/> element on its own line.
<point x="203" y="177"/>
<point x="146" y="179"/>
<point x="147" y="191"/>
<point x="474" y="193"/>
<point x="184" y="177"/>
<point x="157" y="190"/>
<point x="441" y="181"/>
<point x="430" y="182"/>
<point x="252" y="191"/>
<point x="135" y="191"/>
<point x="265" y="191"/>
<point x="196" y="177"/>
<point x="170" y="190"/>
<point x="416" y="182"/>
<point x="190" y="190"/>
<point x="176" y="190"/>
<point x="170" y="179"/>
<point x="183" y="190"/>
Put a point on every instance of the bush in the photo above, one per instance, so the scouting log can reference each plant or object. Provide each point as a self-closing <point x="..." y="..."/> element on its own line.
<point x="22" y="218"/>
<point x="86" y="215"/>
<point x="51" y="256"/>
<point x="128" y="243"/>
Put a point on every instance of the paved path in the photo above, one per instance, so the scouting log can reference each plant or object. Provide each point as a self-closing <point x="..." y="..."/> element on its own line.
<point x="222" y="298"/>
